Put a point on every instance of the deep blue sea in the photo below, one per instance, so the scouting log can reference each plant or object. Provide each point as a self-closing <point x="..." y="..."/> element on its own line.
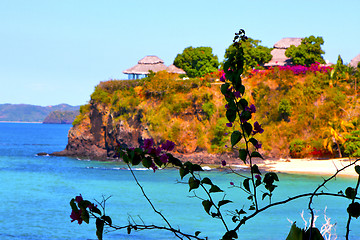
<point x="35" y="193"/>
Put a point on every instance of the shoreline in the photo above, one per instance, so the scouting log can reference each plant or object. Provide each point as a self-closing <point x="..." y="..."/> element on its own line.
<point x="326" y="167"/>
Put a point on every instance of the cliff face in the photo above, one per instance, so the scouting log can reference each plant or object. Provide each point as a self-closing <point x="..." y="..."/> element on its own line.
<point x="116" y="120"/>
<point x="98" y="135"/>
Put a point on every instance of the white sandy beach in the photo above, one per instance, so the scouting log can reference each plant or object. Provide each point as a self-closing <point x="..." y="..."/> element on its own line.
<point x="311" y="166"/>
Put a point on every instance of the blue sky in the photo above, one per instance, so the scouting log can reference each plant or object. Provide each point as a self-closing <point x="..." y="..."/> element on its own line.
<point x="57" y="51"/>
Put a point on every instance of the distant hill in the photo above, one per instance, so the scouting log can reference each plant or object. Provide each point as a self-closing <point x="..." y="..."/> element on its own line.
<point x="30" y="113"/>
<point x="61" y="117"/>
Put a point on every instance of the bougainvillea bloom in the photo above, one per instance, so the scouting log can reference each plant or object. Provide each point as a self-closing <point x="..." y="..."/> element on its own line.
<point x="79" y="199"/>
<point x="148" y="143"/>
<point x="231" y="183"/>
<point x="168" y="145"/>
<point x="257" y="128"/>
<point x="164" y="158"/>
<point x="222" y="78"/>
<point x="76" y="216"/>
<point x="251" y="109"/>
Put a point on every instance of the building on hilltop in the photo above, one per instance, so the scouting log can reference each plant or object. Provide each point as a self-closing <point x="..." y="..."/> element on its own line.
<point x="355" y="61"/>
<point x="150" y="63"/>
<point x="278" y="53"/>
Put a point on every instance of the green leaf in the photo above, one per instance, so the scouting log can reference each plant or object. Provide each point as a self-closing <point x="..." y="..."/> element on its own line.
<point x="254" y="141"/>
<point x="256" y="154"/>
<point x="175" y="161"/>
<point x="183" y="172"/>
<point x="230" y="235"/>
<point x="350" y="193"/>
<point x="357" y="169"/>
<point x="73" y="205"/>
<point x="99" y="228"/>
<point x="224" y="88"/>
<point x="206" y="180"/>
<point x="207" y="205"/>
<point x="85" y="216"/>
<point x="243" y="155"/>
<point x="193" y="183"/>
<point x="264" y="195"/>
<point x="147" y="162"/>
<point x="354" y="209"/>
<point x="197" y="233"/>
<point x="84" y="204"/>
<point x="214" y="189"/>
<point x="295" y="233"/>
<point x="246" y="184"/>
<point x="241" y="212"/>
<point x="197" y="167"/>
<point x="247" y="127"/>
<point x="231" y="115"/>
<point x="96" y="210"/>
<point x="158" y="162"/>
<point x="235" y="138"/>
<point x="107" y="219"/>
<point x="223" y="202"/>
<point x="255" y="169"/>
<point x="243" y="103"/>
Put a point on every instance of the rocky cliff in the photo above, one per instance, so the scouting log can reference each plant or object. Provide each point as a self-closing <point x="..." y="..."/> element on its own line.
<point x="123" y="113"/>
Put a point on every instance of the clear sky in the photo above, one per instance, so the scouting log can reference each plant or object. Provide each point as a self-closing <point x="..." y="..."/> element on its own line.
<point x="57" y="51"/>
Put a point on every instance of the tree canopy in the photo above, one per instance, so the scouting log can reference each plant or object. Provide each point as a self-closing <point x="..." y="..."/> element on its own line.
<point x="254" y="54"/>
<point x="308" y="52"/>
<point x="197" y="62"/>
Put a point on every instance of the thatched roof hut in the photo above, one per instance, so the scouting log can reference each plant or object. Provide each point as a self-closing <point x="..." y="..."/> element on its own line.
<point x="355" y="61"/>
<point x="173" y="69"/>
<point x="144" y="66"/>
<point x="278" y="53"/>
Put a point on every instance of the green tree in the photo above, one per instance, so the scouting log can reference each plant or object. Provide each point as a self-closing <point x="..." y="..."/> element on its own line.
<point x="308" y="52"/>
<point x="197" y="62"/>
<point x="254" y="54"/>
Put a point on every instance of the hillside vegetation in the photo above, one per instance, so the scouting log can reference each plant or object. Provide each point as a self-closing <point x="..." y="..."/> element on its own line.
<point x="311" y="112"/>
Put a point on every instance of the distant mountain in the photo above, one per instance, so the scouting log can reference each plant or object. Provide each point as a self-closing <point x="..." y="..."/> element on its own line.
<point x="61" y="117"/>
<point x="30" y="113"/>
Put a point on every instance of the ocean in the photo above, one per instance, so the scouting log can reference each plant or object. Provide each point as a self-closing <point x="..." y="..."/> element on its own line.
<point x="36" y="190"/>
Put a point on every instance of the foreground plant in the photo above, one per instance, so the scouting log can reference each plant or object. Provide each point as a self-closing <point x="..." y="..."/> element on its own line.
<point x="239" y="114"/>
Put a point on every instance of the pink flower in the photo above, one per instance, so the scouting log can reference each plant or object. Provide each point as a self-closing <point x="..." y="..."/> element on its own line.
<point x="148" y="143"/>
<point x="164" y="158"/>
<point x="155" y="151"/>
<point x="231" y="183"/>
<point x="257" y="128"/>
<point x="222" y="78"/>
<point x="79" y="199"/>
<point x="76" y="216"/>
<point x="168" y="145"/>
<point x="251" y="109"/>
<point x="154" y="167"/>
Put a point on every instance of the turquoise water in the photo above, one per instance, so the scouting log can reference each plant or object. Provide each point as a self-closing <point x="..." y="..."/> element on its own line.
<point x="35" y="193"/>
